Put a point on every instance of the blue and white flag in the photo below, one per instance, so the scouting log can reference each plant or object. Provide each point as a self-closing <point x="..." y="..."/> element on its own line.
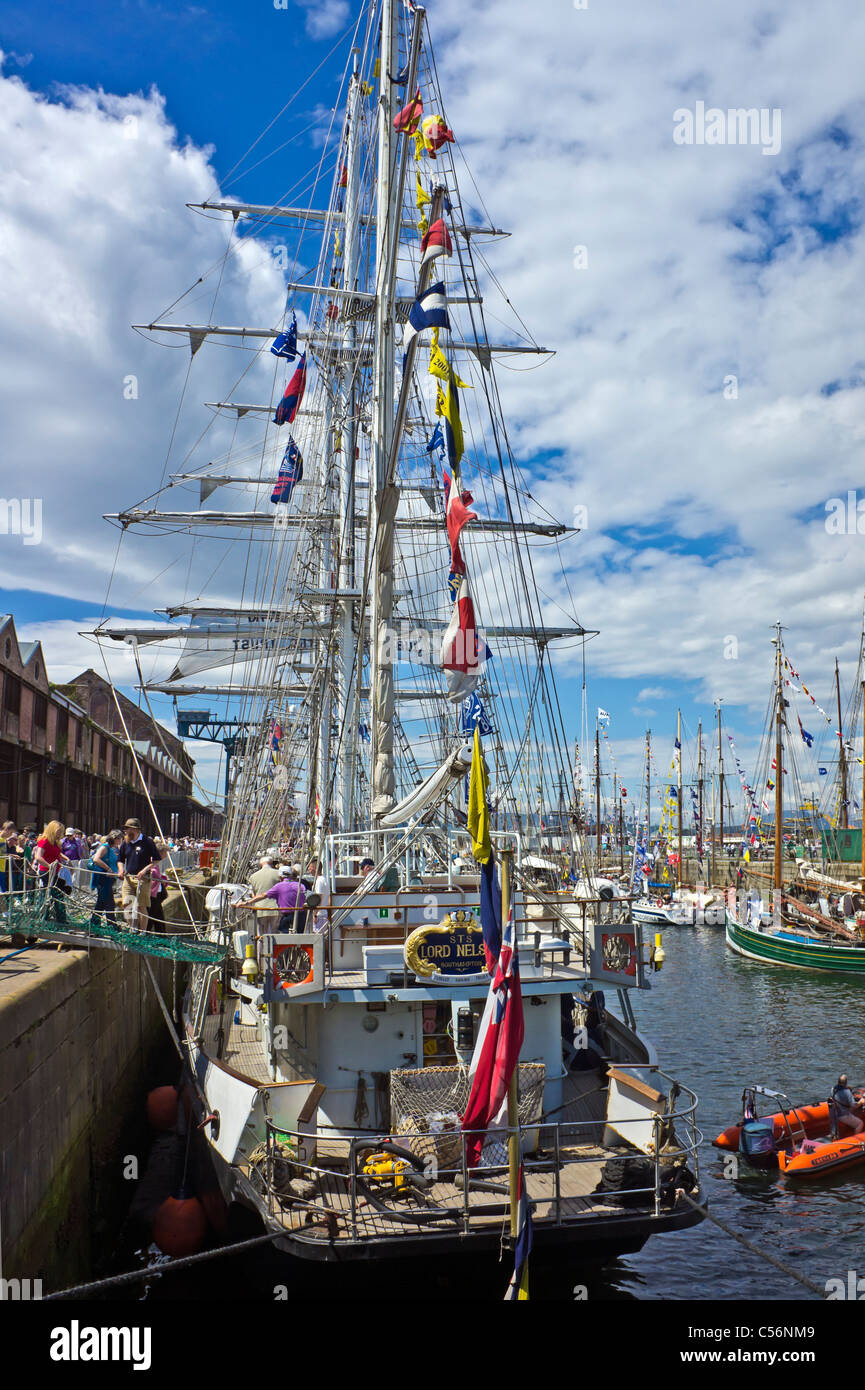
<point x="290" y="472"/>
<point x="436" y="441"/>
<point x="473" y="715"/>
<point x="430" y="310"/>
<point x="363" y="733"/>
<point x="822" y="771"/>
<point x="603" y="717"/>
<point x="285" y="344"/>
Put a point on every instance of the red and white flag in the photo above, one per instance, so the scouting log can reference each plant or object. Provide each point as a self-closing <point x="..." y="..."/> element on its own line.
<point x="497" y="1050"/>
<point x="436" y="242"/>
<point x="459" y="650"/>
<point x="457" y="515"/>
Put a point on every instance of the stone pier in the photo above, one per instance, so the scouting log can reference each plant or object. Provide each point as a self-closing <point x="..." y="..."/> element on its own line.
<point x="79" y="1035"/>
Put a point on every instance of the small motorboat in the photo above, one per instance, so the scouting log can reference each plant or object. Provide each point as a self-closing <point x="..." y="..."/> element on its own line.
<point x="796" y="1138"/>
<point x="758" y="1139"/>
<point x="814" y="1157"/>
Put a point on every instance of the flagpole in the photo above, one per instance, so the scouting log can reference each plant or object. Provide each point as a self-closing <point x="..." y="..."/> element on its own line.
<point x="513" y="1106"/>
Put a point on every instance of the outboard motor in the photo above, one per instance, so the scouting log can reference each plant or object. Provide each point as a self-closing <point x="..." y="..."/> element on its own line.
<point x="757" y="1140"/>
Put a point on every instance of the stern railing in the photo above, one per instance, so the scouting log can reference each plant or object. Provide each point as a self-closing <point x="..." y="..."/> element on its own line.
<point x="568" y="1177"/>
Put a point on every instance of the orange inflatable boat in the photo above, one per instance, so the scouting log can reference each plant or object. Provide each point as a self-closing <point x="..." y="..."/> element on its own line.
<point x="814" y="1157"/>
<point x="813" y="1119"/>
<point x="801" y="1139"/>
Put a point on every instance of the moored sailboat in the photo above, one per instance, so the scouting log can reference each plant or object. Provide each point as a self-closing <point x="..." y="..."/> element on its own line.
<point x="795" y="934"/>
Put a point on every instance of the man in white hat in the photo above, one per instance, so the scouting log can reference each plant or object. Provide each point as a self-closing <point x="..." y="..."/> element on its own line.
<point x="290" y="897"/>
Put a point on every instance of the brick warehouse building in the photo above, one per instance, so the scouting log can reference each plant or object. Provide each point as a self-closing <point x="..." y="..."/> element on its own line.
<point x="64" y="756"/>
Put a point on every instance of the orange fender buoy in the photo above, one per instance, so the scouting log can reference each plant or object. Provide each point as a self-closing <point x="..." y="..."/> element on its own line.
<point x="162" y="1108"/>
<point x="180" y="1226"/>
<point x="215" y="1209"/>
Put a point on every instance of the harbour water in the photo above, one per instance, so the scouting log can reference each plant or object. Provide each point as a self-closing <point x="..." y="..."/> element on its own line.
<point x="724" y="1022"/>
<point x="721" y="1022"/>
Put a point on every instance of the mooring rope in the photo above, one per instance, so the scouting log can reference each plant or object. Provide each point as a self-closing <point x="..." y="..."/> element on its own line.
<point x="115" y="1280"/>
<point x="755" y="1249"/>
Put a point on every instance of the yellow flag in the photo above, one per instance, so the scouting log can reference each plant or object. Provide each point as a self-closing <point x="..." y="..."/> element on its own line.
<point x="367" y="88"/>
<point x="447" y="405"/>
<point x="376" y="72"/>
<point x="422" y="196"/>
<point x="423" y="226"/>
<point x="337" y="249"/>
<point x="439" y="366"/>
<point x="479" y="816"/>
<point x="418" y="147"/>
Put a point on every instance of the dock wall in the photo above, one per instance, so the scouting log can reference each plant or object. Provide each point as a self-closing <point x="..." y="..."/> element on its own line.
<point x="79" y="1036"/>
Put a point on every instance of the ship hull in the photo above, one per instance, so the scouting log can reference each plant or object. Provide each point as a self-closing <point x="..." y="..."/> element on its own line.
<point x="782" y="950"/>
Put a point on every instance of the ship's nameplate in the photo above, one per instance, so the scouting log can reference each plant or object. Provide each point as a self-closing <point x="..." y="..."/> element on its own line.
<point x="448" y="952"/>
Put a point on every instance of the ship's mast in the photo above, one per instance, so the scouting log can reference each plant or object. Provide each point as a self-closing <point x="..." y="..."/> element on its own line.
<point x="862" y="866"/>
<point x="700" y="787"/>
<point x="720" y="786"/>
<point x="648" y="788"/>
<point x="779" y="766"/>
<point x="598" y="792"/>
<point x="384" y="498"/>
<point x="346" y="665"/>
<point x="842" y="761"/>
<point x="679" y="789"/>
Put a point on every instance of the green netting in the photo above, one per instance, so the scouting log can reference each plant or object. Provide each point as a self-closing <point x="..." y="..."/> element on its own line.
<point x="37" y="914"/>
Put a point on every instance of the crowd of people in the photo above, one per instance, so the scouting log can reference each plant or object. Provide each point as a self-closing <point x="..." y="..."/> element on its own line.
<point x="126" y="860"/>
<point x="300" y="899"/>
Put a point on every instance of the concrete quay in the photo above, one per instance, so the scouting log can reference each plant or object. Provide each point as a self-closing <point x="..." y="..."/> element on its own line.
<point x="79" y="1034"/>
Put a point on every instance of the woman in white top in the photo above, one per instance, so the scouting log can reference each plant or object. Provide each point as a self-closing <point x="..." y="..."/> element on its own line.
<point x="320" y="886"/>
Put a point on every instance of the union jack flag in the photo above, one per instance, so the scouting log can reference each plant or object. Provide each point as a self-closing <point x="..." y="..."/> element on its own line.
<point x="497" y="1050"/>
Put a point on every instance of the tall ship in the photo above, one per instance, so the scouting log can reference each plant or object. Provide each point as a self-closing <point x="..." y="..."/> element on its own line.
<point x="386" y="649"/>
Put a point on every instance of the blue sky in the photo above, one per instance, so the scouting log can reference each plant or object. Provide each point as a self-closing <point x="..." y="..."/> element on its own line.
<point x="223" y="68"/>
<point x="706" y="514"/>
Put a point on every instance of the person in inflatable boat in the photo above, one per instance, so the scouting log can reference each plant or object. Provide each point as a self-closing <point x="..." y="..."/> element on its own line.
<point x="845" y="1102"/>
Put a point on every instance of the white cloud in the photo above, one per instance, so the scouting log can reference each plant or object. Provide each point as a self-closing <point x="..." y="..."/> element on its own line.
<point x="325" y="19"/>
<point x="95" y="225"/>
<point x="651" y="692"/>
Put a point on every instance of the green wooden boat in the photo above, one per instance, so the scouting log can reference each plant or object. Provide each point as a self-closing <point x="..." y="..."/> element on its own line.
<point x="784" y="946"/>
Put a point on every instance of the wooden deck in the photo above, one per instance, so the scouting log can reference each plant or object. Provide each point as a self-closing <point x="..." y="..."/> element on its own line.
<point x="325" y="1213"/>
<point x="241" y="1050"/>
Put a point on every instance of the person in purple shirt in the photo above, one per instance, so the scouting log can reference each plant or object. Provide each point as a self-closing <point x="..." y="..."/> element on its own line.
<point x="70" y="845"/>
<point x="290" y="896"/>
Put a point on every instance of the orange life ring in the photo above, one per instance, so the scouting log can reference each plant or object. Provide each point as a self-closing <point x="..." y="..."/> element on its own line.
<point x="281" y="981"/>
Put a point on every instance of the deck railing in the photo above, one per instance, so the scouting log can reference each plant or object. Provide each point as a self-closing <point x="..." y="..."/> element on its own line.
<point x="365" y="1205"/>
